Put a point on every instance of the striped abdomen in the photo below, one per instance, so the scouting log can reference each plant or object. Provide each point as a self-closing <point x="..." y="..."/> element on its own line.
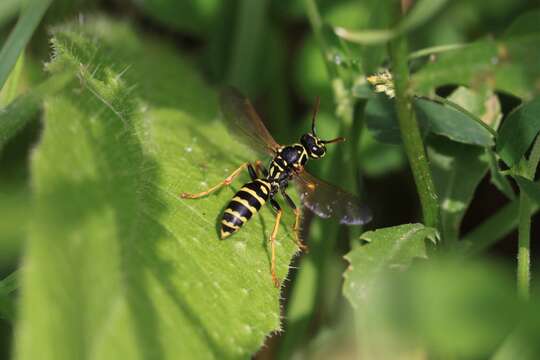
<point x="245" y="203"/>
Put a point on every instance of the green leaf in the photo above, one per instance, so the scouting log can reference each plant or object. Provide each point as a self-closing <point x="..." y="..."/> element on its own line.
<point x="8" y="286"/>
<point x="449" y="309"/>
<point x="532" y="189"/>
<point x="508" y="65"/>
<point x="30" y="17"/>
<point x="392" y="248"/>
<point x="420" y="13"/>
<point x="117" y="264"/>
<point x="450" y="161"/>
<point x="497" y="178"/>
<point x="9" y="91"/>
<point x="457" y="170"/>
<point x="382" y="122"/>
<point x="452" y="123"/>
<point x="192" y="16"/>
<point x="525" y="24"/>
<point x="518" y="131"/>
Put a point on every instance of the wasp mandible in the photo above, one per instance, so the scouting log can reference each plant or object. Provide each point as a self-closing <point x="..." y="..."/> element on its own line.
<point x="287" y="164"/>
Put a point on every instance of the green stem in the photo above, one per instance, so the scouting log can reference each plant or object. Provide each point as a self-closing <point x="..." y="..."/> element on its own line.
<point x="435" y="50"/>
<point x="524" y="229"/>
<point x="524" y="260"/>
<point x="461" y="109"/>
<point x="410" y="134"/>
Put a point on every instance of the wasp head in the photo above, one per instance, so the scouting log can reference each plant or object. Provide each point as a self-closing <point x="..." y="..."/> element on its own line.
<point x="314" y="145"/>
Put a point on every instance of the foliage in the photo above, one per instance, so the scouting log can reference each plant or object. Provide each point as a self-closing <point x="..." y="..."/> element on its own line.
<point x="149" y="266"/>
<point x="100" y="258"/>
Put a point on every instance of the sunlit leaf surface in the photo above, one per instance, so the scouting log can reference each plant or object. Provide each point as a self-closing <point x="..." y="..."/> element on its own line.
<point x="118" y="266"/>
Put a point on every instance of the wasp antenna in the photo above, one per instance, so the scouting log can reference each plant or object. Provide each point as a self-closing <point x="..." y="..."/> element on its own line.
<point x="315" y="112"/>
<point x="338" y="139"/>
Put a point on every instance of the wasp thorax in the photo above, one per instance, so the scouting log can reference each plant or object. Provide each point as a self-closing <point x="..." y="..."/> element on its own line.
<point x="313" y="145"/>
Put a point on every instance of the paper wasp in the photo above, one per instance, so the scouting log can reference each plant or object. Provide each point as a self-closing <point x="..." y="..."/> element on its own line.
<point x="287" y="164"/>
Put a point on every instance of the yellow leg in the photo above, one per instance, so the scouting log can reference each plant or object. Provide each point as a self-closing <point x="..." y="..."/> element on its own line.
<point x="227" y="181"/>
<point x="296" y="230"/>
<point x="275" y="280"/>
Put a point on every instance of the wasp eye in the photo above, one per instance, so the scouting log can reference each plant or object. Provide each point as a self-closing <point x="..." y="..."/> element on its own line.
<point x="314" y="148"/>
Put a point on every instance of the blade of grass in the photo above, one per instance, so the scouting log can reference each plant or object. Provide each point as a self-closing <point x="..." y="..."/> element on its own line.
<point x="30" y="18"/>
<point x="9" y="91"/>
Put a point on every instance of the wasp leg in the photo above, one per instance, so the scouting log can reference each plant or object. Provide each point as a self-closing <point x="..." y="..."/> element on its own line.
<point x="260" y="167"/>
<point x="278" y="210"/>
<point x="225" y="182"/>
<point x="296" y="226"/>
<point x="252" y="172"/>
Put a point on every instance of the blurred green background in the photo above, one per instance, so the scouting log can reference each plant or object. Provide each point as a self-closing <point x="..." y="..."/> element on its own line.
<point x="268" y="50"/>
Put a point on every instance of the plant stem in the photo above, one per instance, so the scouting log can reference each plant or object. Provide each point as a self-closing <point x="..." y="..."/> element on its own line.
<point x="410" y="134"/>
<point x="524" y="261"/>
<point x="524" y="229"/>
<point x="435" y="50"/>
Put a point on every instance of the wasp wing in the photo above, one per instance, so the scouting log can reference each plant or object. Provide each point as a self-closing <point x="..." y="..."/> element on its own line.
<point x="327" y="200"/>
<point x="243" y="122"/>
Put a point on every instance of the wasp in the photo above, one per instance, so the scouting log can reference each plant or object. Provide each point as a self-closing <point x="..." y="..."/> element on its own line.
<point x="287" y="164"/>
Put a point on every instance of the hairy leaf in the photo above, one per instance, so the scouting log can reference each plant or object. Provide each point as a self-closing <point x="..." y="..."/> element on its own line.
<point x="117" y="264"/>
<point x="392" y="248"/>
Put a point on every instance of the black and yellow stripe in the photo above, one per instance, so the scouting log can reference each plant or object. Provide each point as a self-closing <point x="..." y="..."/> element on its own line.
<point x="245" y="203"/>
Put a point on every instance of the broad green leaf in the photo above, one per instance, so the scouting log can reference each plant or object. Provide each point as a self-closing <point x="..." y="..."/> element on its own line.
<point x="420" y="13"/>
<point x="457" y="168"/>
<point x="508" y="65"/>
<point x="392" y="248"/>
<point x="452" y="123"/>
<point x="381" y="120"/>
<point x="518" y="131"/>
<point x="450" y="309"/>
<point x="117" y="264"/>
<point x="29" y="19"/>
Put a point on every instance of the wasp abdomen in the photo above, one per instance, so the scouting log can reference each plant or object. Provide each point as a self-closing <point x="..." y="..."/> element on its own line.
<point x="245" y="203"/>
